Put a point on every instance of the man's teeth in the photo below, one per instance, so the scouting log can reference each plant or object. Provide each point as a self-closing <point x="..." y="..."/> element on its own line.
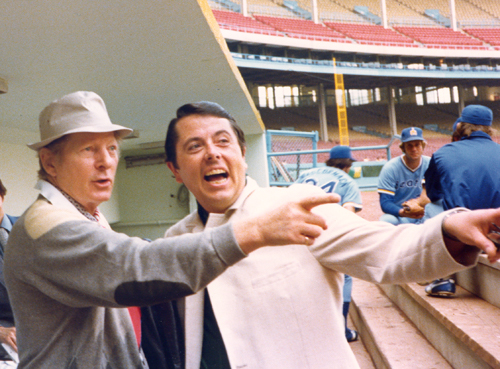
<point x="216" y="176"/>
<point x="216" y="171"/>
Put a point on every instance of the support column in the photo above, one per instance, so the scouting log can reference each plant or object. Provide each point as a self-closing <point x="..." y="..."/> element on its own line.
<point x="453" y="15"/>
<point x="315" y="11"/>
<point x="461" y="99"/>
<point x="383" y="7"/>
<point x="392" y="110"/>
<point x="323" y="125"/>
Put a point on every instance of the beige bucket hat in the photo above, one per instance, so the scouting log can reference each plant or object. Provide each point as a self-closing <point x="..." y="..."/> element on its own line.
<point x="81" y="111"/>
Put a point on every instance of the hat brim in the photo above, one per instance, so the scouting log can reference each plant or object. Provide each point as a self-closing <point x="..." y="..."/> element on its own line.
<point x="413" y="139"/>
<point x="122" y="132"/>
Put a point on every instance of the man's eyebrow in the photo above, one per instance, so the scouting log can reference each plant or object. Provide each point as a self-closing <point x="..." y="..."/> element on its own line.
<point x="222" y="131"/>
<point x="196" y="138"/>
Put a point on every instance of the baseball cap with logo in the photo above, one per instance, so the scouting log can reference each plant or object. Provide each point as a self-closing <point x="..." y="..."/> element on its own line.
<point x="81" y="111"/>
<point x="476" y="114"/>
<point x="411" y="134"/>
<point x="341" y="152"/>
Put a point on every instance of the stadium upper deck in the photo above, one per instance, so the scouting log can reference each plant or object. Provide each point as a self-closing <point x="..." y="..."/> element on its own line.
<point x="422" y="24"/>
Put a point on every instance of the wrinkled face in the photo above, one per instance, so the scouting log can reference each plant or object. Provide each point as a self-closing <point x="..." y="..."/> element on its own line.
<point x="413" y="149"/>
<point x="85" y="168"/>
<point x="210" y="161"/>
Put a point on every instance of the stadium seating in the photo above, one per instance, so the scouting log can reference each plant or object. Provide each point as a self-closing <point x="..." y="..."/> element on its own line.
<point x="489" y="35"/>
<point x="439" y="36"/>
<point x="236" y="21"/>
<point x="370" y="32"/>
<point x="301" y="28"/>
<point x="489" y="6"/>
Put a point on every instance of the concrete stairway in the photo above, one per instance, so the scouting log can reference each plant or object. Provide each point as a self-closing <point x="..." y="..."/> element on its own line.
<point x="403" y="328"/>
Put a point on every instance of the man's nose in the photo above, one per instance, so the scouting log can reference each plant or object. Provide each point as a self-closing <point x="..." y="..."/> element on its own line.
<point x="104" y="158"/>
<point x="212" y="152"/>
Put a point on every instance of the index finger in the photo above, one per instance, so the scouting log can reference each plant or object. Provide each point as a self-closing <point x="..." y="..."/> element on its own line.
<point x="310" y="202"/>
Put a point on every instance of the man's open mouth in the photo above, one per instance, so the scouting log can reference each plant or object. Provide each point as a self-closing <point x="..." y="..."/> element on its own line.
<point x="216" y="176"/>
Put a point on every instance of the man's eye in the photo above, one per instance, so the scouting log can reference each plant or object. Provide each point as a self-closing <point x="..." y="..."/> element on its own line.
<point x="193" y="147"/>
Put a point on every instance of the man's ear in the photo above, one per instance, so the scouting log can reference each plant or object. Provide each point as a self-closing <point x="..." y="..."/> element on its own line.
<point x="47" y="159"/>
<point x="244" y="151"/>
<point x="175" y="171"/>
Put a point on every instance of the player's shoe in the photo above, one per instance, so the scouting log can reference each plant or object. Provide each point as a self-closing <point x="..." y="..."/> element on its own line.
<point x="351" y="335"/>
<point x="441" y="287"/>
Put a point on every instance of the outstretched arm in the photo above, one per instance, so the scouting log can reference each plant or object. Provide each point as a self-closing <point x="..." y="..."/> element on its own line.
<point x="291" y="223"/>
<point x="466" y="229"/>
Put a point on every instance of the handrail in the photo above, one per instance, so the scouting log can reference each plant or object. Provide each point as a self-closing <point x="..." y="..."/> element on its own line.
<point x="314" y="137"/>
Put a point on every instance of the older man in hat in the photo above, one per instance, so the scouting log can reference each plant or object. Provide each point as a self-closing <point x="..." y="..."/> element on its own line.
<point x="68" y="273"/>
<point x="401" y="180"/>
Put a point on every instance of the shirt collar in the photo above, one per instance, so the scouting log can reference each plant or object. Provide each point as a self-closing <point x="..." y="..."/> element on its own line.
<point x="250" y="186"/>
<point x="477" y="134"/>
<point x="56" y="198"/>
<point x="6" y="223"/>
<point x="407" y="167"/>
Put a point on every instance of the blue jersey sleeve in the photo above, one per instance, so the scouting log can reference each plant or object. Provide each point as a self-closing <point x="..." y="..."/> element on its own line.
<point x="388" y="206"/>
<point x="432" y="181"/>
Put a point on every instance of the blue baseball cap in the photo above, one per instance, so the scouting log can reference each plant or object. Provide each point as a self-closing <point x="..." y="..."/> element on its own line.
<point x="412" y="134"/>
<point x="476" y="114"/>
<point x="341" y="152"/>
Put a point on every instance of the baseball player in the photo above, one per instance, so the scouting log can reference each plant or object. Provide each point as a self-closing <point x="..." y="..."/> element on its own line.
<point x="335" y="178"/>
<point x="401" y="180"/>
<point x="463" y="174"/>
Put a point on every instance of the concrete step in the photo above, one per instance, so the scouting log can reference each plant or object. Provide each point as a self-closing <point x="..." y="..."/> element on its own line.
<point x="391" y="339"/>
<point x="465" y="329"/>
<point x="362" y="355"/>
<point x="482" y="281"/>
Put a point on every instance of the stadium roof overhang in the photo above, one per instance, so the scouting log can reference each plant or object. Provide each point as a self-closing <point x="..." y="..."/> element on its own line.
<point x="287" y="71"/>
<point x="365" y="81"/>
<point x="145" y="58"/>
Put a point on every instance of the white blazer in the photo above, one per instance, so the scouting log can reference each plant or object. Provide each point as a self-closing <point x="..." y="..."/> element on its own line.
<point x="281" y="307"/>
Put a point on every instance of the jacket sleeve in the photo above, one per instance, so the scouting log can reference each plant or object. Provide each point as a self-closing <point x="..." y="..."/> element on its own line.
<point x="80" y="264"/>
<point x="380" y="252"/>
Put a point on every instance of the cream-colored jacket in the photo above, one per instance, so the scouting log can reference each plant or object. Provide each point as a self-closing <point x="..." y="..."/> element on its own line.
<point x="280" y="308"/>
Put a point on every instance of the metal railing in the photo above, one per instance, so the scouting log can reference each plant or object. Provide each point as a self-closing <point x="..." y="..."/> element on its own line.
<point x="284" y="173"/>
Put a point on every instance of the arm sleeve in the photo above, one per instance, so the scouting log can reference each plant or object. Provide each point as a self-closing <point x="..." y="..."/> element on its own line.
<point x="80" y="264"/>
<point x="432" y="182"/>
<point x="352" y="196"/>
<point x="380" y="252"/>
<point x="387" y="204"/>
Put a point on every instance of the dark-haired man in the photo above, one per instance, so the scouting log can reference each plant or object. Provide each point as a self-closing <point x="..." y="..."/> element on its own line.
<point x="281" y="308"/>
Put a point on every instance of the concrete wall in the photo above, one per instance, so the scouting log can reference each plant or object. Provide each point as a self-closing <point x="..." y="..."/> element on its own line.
<point x="18" y="173"/>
